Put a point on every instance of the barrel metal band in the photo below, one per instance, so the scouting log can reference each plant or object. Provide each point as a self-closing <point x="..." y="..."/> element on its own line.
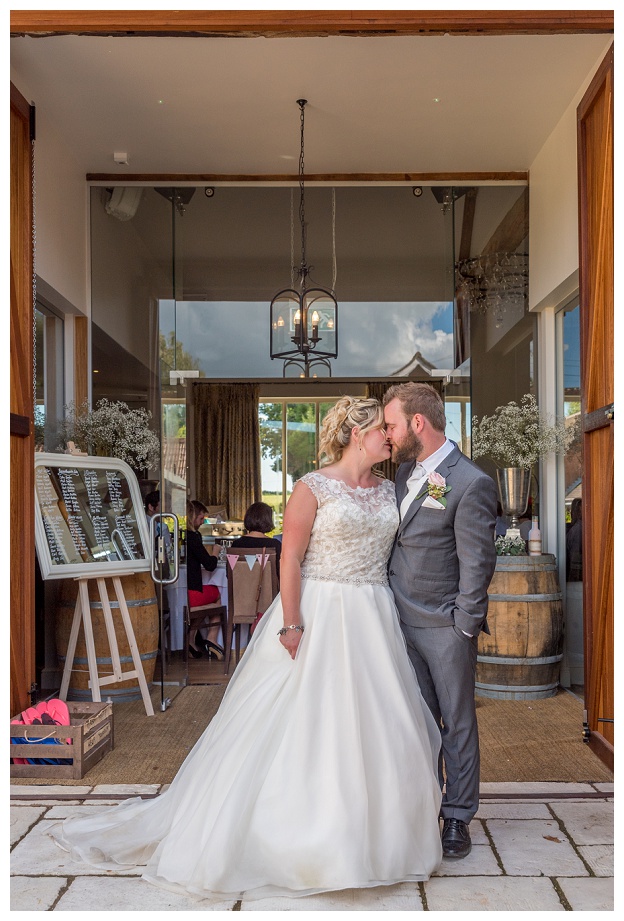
<point x="548" y="596"/>
<point x="518" y="688"/>
<point x="97" y="605"/>
<point x="517" y="660"/>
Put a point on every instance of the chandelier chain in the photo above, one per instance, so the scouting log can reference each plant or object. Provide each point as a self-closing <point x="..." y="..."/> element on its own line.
<point x="292" y="238"/>
<point x="302" y="104"/>
<point x="334" y="264"/>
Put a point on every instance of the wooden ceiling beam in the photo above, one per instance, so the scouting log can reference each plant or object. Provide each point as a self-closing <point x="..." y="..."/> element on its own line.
<point x="451" y="178"/>
<point x="270" y="23"/>
<point x="512" y="230"/>
<point x="467" y="224"/>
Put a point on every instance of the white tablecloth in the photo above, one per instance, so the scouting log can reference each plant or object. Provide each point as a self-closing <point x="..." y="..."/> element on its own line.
<point x="177" y="597"/>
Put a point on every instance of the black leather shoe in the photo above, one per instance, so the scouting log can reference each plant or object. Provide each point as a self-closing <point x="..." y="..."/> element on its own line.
<point x="455" y="838"/>
<point x="196" y="653"/>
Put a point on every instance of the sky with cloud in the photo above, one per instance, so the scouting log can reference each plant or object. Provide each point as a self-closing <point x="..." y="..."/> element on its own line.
<point x="231" y="339"/>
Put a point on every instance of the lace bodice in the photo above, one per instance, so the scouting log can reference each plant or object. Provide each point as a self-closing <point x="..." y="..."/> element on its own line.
<point x="353" y="531"/>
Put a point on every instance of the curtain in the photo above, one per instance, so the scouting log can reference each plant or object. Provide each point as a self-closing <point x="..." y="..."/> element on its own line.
<point x="227" y="446"/>
<point x="376" y="389"/>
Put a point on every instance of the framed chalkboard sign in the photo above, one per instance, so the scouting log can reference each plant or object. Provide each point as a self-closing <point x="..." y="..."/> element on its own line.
<point x="89" y="517"/>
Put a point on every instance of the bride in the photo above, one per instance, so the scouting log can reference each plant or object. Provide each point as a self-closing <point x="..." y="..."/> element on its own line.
<point x="319" y="770"/>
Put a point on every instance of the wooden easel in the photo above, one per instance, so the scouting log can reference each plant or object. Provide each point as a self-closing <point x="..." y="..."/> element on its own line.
<point x="82" y="613"/>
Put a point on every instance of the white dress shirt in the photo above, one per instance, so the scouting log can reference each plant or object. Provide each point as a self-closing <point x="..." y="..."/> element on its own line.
<point x="421" y="471"/>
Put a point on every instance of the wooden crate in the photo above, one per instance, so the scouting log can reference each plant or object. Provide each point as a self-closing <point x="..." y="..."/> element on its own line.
<point x="91" y="734"/>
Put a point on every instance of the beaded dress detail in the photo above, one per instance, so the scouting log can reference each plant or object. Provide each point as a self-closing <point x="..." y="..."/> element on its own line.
<point x="315" y="774"/>
<point x="352" y="533"/>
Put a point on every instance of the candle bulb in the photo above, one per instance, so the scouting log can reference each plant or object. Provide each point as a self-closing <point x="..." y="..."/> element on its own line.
<point x="315" y="324"/>
<point x="297" y="323"/>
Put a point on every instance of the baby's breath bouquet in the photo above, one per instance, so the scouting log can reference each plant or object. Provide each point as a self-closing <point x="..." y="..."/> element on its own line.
<point x="112" y="430"/>
<point x="510" y="546"/>
<point x="518" y="435"/>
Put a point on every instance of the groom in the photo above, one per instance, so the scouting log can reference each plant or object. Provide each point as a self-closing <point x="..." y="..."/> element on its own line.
<point x="440" y="569"/>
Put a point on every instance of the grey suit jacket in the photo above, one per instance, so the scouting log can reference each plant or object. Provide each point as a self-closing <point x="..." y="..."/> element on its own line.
<point x="443" y="561"/>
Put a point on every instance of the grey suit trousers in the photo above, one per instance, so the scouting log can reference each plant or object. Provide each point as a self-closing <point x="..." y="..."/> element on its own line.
<point x="445" y="662"/>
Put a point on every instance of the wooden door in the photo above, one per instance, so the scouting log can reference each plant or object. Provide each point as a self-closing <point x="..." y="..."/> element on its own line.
<point x="595" y="159"/>
<point x="22" y="446"/>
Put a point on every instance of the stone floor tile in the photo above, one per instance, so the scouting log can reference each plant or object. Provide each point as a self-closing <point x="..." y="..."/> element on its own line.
<point x="481" y="861"/>
<point x="586" y="823"/>
<point x="38" y="855"/>
<point x="588" y="894"/>
<point x="50" y="791"/>
<point x="530" y="847"/>
<point x="604" y="787"/>
<point x="22" y="818"/>
<point x="400" y="897"/>
<point x="28" y="894"/>
<point x="542" y="788"/>
<point x="477" y="833"/>
<point x="490" y="893"/>
<point x="46" y="802"/>
<point x="124" y="789"/>
<point x="599" y="857"/>
<point x="513" y="811"/>
<point x="91" y="893"/>
<point x="64" y="810"/>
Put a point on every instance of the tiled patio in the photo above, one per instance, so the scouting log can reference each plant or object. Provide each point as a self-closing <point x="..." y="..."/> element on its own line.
<point x="536" y="847"/>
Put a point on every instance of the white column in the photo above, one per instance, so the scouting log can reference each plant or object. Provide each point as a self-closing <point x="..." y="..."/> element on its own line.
<point x="547" y="401"/>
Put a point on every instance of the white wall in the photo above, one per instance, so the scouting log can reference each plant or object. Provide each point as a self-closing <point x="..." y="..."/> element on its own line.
<point x="553" y="207"/>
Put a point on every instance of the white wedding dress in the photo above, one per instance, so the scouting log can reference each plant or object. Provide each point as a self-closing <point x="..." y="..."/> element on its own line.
<point x="316" y="774"/>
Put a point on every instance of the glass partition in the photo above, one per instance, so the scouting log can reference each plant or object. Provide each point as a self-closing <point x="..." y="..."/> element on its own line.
<point x="571" y="493"/>
<point x="431" y="284"/>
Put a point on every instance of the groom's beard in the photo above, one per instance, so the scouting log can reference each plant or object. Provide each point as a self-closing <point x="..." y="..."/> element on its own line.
<point x="409" y="449"/>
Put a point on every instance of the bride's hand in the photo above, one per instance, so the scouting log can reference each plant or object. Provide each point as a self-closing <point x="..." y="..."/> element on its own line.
<point x="290" y="641"/>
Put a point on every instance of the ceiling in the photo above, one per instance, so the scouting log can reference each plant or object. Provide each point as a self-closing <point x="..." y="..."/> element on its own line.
<point x="380" y="104"/>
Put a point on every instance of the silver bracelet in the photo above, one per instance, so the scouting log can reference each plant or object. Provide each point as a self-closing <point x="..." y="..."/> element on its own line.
<point x="298" y="627"/>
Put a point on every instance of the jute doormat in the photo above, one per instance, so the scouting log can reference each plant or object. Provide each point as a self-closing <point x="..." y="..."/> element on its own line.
<point x="521" y="741"/>
<point x="536" y="740"/>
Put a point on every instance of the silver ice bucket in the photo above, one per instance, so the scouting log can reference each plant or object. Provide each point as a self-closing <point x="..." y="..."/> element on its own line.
<point x="514" y="484"/>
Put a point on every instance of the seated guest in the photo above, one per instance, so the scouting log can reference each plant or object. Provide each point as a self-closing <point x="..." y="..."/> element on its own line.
<point x="198" y="593"/>
<point x="258" y="522"/>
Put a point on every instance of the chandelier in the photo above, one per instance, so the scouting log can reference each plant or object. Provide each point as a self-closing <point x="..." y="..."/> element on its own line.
<point x="304" y="318"/>
<point x="496" y="282"/>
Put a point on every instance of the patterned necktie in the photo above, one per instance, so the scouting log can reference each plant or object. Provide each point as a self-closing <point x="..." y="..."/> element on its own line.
<point x="414" y="482"/>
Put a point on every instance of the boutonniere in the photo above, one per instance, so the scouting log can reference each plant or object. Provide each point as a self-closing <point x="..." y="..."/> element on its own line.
<point x="436" y="488"/>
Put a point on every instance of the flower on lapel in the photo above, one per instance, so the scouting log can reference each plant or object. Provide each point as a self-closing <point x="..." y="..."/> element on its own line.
<point x="436" y="488"/>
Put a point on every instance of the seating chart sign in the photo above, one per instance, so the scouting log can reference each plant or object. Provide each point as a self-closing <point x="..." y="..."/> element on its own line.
<point x="89" y="517"/>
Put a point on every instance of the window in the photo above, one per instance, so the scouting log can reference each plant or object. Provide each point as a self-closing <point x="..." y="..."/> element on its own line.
<point x="289" y="438"/>
<point x="49" y="375"/>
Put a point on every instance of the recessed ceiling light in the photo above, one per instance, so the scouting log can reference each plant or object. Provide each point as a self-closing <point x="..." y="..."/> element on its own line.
<point x="436" y="98"/>
<point x="287" y="157"/>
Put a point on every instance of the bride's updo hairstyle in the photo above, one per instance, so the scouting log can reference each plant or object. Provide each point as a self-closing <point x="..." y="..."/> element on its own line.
<point x="335" y="434"/>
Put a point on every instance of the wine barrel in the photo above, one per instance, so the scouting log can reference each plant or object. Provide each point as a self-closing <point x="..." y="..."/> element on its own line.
<point x="521" y="658"/>
<point x="142" y="605"/>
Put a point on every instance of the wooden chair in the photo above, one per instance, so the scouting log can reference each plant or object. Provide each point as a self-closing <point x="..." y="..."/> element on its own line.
<point x="250" y="591"/>
<point x="203" y="615"/>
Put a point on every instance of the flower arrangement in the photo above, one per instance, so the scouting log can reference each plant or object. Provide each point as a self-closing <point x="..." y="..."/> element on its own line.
<point x="436" y="488"/>
<point x="111" y="430"/>
<point x="518" y="435"/>
<point x="509" y="546"/>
